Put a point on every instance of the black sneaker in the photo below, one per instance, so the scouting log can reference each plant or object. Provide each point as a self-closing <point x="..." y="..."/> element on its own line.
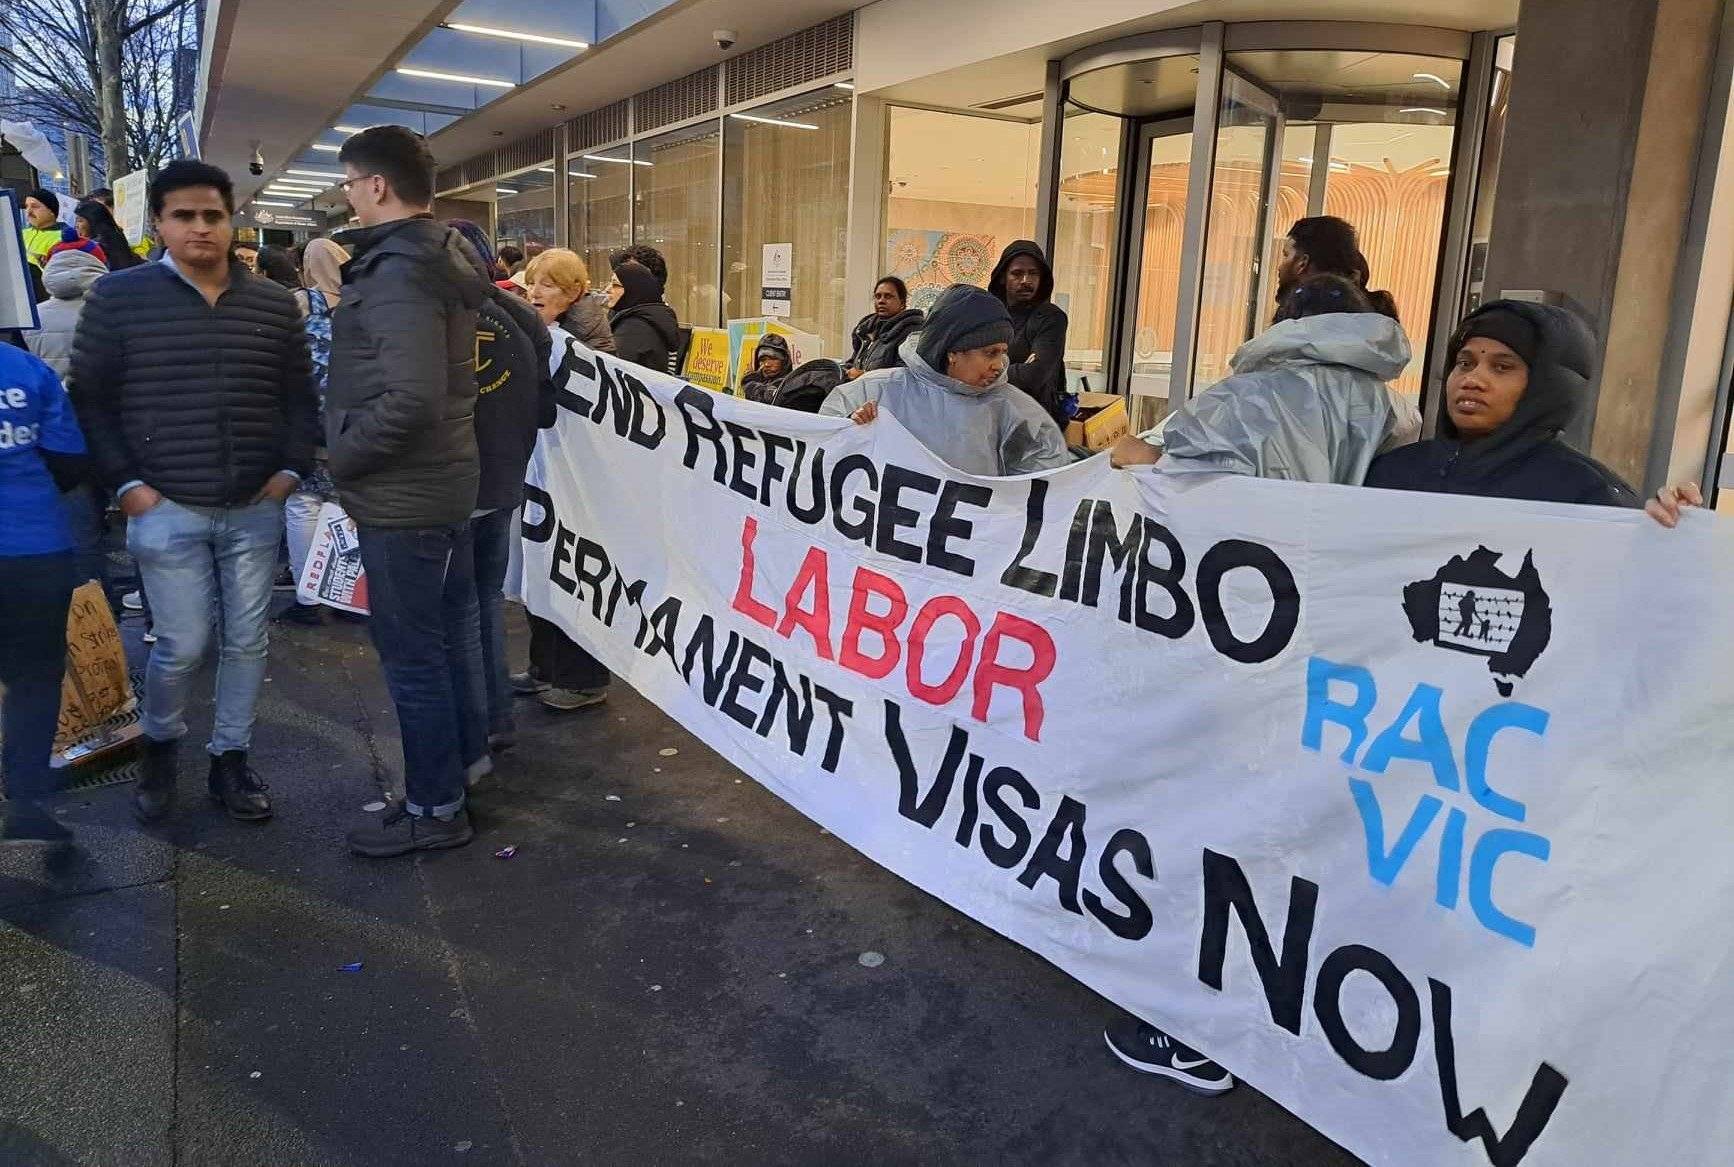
<point x="397" y="832"/>
<point x="1148" y="1050"/>
<point x="306" y="615"/>
<point x="154" y="795"/>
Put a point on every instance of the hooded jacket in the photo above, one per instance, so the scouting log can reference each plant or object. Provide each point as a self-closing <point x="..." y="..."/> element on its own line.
<point x="1307" y="402"/>
<point x="67" y="277"/>
<point x="1039" y="331"/>
<point x="993" y="431"/>
<point x="645" y="329"/>
<point x="877" y="338"/>
<point x="400" y="407"/>
<point x="1524" y="458"/>
<point x="760" y="388"/>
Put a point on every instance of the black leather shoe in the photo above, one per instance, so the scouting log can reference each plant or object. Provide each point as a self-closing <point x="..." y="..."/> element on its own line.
<point x="234" y="784"/>
<point x="154" y="795"/>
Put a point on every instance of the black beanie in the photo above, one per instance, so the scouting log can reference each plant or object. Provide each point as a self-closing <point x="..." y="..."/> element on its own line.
<point x="1500" y="324"/>
<point x="964" y="317"/>
<point x="47" y="198"/>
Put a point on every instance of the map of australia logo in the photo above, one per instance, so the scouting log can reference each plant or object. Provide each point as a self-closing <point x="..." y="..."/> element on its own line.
<point x="1471" y="606"/>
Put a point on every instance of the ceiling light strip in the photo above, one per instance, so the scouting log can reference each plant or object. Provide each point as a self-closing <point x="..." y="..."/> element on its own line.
<point x="507" y="34"/>
<point x="459" y="78"/>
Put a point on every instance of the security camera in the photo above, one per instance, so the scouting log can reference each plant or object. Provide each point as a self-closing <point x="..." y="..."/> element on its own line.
<point x="257" y="165"/>
<point x="725" y="38"/>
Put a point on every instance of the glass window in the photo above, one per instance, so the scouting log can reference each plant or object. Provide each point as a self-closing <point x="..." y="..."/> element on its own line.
<point x="1234" y="241"/>
<point x="1168" y="157"/>
<point x="786" y="180"/>
<point x="600" y="200"/>
<point x="524" y="210"/>
<point x="960" y="188"/>
<point x="1085" y="220"/>
<point x="675" y="211"/>
<point x="1487" y="179"/>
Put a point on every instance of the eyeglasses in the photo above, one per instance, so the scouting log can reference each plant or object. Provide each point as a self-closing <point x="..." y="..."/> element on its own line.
<point x="349" y="182"/>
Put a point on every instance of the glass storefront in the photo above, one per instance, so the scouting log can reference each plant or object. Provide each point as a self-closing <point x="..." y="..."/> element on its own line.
<point x="599" y="200"/>
<point x="524" y="207"/>
<point x="786" y="180"/>
<point x="675" y="205"/>
<point x="960" y="187"/>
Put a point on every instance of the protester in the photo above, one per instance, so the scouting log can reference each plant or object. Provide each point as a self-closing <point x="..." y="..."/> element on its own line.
<point x="248" y="254"/>
<point x="317" y="300"/>
<point x="400" y="433"/>
<point x="514" y="396"/>
<point x="1308" y="399"/>
<point x="42" y="225"/>
<point x="278" y="266"/>
<point x="878" y="335"/>
<point x="42" y="456"/>
<point x="96" y="223"/>
<point x="771" y="364"/>
<point x="952" y="392"/>
<point x="68" y="276"/>
<point x="561" y="675"/>
<point x="647" y="255"/>
<point x="1024" y="283"/>
<point x="1518" y="374"/>
<point x="645" y="329"/>
<point x="511" y="260"/>
<point x="1326" y="245"/>
<point x="558" y="288"/>
<point x="194" y="389"/>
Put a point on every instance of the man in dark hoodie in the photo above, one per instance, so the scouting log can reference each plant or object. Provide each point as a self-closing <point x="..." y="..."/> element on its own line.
<point x="400" y="421"/>
<point x="645" y="329"/>
<point x="1024" y="283"/>
<point x="514" y="394"/>
<point x="1517" y="375"/>
<point x="771" y="363"/>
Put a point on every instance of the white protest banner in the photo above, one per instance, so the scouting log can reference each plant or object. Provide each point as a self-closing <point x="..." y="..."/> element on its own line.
<point x="1411" y="810"/>
<point x="332" y="574"/>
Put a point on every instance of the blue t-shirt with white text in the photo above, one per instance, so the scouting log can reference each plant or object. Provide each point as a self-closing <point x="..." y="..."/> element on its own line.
<point x="35" y="414"/>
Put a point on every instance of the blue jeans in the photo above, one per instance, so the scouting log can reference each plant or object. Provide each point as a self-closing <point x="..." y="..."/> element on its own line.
<point x="206" y="569"/>
<point x="421" y="595"/>
<point x="492" y="533"/>
<point x="38" y="592"/>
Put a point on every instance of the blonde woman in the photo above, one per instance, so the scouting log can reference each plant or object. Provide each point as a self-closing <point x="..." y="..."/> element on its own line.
<point x="562" y="675"/>
<point x="558" y="287"/>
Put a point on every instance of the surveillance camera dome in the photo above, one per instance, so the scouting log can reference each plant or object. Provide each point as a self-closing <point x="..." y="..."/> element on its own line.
<point x="725" y="38"/>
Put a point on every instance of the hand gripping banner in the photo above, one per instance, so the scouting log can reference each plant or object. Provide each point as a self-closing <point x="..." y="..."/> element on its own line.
<point x="1411" y="810"/>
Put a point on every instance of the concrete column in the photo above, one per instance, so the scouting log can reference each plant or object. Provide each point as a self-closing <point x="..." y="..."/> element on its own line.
<point x="865" y="248"/>
<point x="1595" y="187"/>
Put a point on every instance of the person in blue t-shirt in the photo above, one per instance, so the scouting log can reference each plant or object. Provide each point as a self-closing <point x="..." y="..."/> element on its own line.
<point x="41" y="453"/>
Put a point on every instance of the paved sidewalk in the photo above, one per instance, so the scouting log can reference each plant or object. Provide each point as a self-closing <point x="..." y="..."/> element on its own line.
<point x="666" y="972"/>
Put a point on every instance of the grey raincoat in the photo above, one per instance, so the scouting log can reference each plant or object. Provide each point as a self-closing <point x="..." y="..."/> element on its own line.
<point x="994" y="431"/>
<point x="1307" y="402"/>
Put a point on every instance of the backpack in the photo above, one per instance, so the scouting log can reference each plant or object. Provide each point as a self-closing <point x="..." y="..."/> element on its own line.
<point x="807" y="387"/>
<point x="318" y="326"/>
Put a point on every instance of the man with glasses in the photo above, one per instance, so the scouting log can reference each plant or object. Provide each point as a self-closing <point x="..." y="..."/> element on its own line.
<point x="196" y="396"/>
<point x="400" y="432"/>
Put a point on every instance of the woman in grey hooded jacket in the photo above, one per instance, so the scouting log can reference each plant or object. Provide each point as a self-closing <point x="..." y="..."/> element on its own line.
<point x="952" y="392"/>
<point x="1308" y="400"/>
<point x="67" y="276"/>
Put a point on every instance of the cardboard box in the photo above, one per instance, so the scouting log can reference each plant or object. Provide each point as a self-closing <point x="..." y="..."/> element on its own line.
<point x="1100" y="421"/>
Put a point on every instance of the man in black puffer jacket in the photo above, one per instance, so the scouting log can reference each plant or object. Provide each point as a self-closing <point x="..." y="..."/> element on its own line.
<point x="401" y="437"/>
<point x="196" y="394"/>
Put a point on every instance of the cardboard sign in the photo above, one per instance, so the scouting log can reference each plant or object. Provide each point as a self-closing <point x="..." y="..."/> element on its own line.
<point x="96" y="687"/>
<point x="1411" y="810"/>
<point x="333" y="575"/>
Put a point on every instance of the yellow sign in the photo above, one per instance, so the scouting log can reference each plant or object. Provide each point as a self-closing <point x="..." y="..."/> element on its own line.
<point x="707" y="360"/>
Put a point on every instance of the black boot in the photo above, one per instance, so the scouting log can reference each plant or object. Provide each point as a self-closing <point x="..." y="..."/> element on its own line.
<point x="238" y="788"/>
<point x="154" y="795"/>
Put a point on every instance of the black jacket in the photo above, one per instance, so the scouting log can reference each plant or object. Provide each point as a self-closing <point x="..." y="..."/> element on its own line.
<point x="514" y="390"/>
<point x="1524" y="458"/>
<point x="876" y="339"/>
<point x="646" y="335"/>
<point x="757" y="387"/>
<point x="1039" y="330"/>
<point x="400" y="405"/>
<point x="202" y="403"/>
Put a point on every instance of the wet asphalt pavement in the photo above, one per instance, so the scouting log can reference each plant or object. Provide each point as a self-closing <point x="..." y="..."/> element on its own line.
<point x="667" y="971"/>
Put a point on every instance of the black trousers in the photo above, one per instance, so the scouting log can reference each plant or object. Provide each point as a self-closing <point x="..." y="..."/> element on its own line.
<point x="561" y="663"/>
<point x="35" y="594"/>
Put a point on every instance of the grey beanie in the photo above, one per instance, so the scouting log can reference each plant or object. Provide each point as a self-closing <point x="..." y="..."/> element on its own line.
<point x="964" y="317"/>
